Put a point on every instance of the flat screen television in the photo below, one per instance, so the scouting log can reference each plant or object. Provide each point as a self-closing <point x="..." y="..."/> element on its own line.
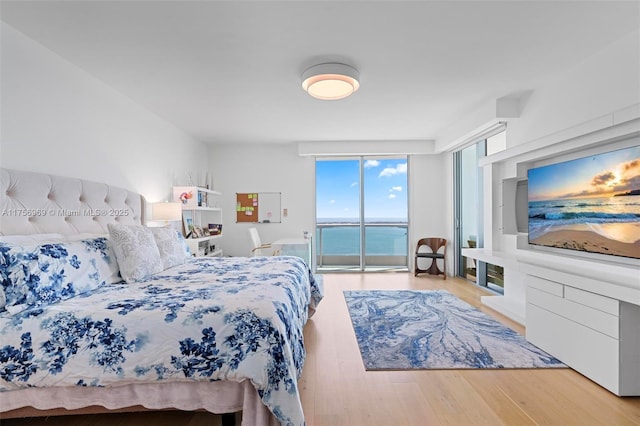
<point x="590" y="204"/>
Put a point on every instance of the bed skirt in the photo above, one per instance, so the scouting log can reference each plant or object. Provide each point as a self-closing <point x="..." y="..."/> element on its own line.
<point x="215" y="397"/>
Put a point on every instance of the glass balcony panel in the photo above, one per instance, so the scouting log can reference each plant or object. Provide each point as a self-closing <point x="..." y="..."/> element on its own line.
<point x="338" y="246"/>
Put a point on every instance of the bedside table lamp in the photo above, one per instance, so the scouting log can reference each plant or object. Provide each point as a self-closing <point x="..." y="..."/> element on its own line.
<point x="166" y="212"/>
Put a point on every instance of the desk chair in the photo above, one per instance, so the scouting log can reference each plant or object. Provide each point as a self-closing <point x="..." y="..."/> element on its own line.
<point x="258" y="249"/>
<point x="434" y="245"/>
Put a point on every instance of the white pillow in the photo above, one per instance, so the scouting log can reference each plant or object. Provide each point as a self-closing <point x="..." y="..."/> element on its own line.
<point x="170" y="247"/>
<point x="136" y="251"/>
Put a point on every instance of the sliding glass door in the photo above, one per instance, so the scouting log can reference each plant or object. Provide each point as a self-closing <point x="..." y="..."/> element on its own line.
<point x="469" y="208"/>
<point x="361" y="214"/>
<point x="338" y="242"/>
<point x="469" y="217"/>
<point x="385" y="213"/>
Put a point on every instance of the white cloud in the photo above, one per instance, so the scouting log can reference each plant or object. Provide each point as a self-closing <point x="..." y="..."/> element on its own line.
<point x="396" y="188"/>
<point x="354" y="184"/>
<point x="391" y="171"/>
<point x="371" y="163"/>
<point x="392" y="196"/>
<point x="332" y="201"/>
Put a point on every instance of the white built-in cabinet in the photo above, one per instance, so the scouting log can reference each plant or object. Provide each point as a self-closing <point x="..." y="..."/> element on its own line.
<point x="587" y="315"/>
<point x="584" y="310"/>
<point x="200" y="209"/>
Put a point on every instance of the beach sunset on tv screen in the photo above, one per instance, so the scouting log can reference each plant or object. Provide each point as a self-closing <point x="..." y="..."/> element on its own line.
<point x="590" y="204"/>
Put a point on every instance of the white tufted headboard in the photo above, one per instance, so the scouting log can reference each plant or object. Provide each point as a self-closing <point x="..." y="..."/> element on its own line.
<point x="36" y="203"/>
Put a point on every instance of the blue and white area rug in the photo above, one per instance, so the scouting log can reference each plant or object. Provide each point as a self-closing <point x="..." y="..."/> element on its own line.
<point x="410" y="329"/>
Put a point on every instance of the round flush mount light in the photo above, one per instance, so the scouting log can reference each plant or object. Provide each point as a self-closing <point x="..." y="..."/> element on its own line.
<point x="330" y="81"/>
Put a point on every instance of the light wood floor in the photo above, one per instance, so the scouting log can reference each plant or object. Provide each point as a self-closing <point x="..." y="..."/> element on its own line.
<point x="336" y="390"/>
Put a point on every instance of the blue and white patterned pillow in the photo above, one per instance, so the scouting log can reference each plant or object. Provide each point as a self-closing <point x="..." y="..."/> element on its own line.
<point x="42" y="274"/>
<point x="108" y="267"/>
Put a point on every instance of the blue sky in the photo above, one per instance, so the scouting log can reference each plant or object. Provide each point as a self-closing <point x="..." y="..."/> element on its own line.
<point x="600" y="175"/>
<point x="338" y="188"/>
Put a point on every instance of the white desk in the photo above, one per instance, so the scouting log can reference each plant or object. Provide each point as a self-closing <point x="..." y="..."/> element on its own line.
<point x="300" y="247"/>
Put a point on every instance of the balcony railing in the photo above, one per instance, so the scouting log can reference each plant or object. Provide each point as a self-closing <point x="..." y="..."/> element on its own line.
<point x="338" y="245"/>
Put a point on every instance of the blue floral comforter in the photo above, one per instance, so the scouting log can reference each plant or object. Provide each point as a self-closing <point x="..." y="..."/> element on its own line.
<point x="209" y="319"/>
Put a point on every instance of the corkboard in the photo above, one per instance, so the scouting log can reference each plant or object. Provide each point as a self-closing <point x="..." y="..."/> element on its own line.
<point x="258" y="207"/>
<point x="247" y="207"/>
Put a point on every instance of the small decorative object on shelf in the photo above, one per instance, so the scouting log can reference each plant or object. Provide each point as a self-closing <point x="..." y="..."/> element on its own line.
<point x="185" y="197"/>
<point x="203" y="199"/>
<point x="215" y="229"/>
<point x="203" y="248"/>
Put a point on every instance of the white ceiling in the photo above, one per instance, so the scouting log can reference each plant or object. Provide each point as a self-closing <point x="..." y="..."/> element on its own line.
<point x="230" y="71"/>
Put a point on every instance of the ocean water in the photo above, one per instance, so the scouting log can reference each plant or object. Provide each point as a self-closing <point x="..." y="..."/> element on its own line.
<point x="545" y="215"/>
<point x="379" y="240"/>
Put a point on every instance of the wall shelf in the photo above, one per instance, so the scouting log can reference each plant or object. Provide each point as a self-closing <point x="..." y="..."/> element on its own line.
<point x="494" y="257"/>
<point x="200" y="207"/>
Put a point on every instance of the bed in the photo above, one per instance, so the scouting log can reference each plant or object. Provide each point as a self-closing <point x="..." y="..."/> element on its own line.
<point x="215" y="334"/>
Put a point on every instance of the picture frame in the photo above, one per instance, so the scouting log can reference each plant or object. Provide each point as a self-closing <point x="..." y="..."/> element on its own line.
<point x="197" y="232"/>
<point x="187" y="223"/>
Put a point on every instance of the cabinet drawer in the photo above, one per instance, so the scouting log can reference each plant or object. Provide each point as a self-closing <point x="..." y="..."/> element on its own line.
<point x="581" y="348"/>
<point x="545" y="285"/>
<point x="592" y="318"/>
<point x="596" y="301"/>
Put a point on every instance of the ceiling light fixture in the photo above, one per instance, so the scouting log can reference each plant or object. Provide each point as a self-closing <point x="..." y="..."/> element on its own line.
<point x="330" y="81"/>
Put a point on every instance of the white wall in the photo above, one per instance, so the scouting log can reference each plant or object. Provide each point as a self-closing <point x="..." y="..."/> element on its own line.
<point x="58" y="119"/>
<point x="575" y="103"/>
<point x="428" y="214"/>
<point x="594" y="95"/>
<point x="279" y="168"/>
<point x="602" y="84"/>
<point x="263" y="168"/>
